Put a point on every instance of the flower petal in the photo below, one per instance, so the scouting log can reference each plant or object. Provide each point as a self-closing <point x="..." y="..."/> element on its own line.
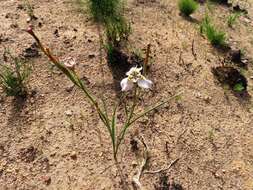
<point x="126" y="84"/>
<point x="139" y="69"/>
<point x="145" y="83"/>
<point x="134" y="69"/>
<point x="130" y="71"/>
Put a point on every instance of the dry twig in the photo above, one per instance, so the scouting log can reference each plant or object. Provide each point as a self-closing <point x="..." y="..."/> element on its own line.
<point x="193" y="50"/>
<point x="145" y="66"/>
<point x="163" y="169"/>
<point x="136" y="178"/>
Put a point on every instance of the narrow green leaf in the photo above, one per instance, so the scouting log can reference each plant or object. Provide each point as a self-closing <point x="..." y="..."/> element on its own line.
<point x="154" y="107"/>
<point x="113" y="126"/>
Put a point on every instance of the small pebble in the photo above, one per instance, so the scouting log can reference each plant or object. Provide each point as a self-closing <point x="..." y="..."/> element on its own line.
<point x="247" y="20"/>
<point x="46" y="180"/>
<point x="69" y="88"/>
<point x="68" y="113"/>
<point x="28" y="20"/>
<point x="91" y="56"/>
<point x="198" y="95"/>
<point x="207" y="99"/>
<point x="245" y="61"/>
<point x="134" y="164"/>
<point x="73" y="156"/>
<point x="40" y="24"/>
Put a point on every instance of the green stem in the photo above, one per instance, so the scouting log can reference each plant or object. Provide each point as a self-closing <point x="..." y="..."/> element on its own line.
<point x="73" y="77"/>
<point x="126" y="125"/>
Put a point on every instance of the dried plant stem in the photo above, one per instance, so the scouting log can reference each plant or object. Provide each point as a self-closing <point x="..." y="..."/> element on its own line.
<point x="136" y="178"/>
<point x="124" y="184"/>
<point x="193" y="50"/>
<point x="163" y="169"/>
<point x="145" y="66"/>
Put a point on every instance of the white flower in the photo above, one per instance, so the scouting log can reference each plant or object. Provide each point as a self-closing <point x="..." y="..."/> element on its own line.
<point x="69" y="63"/>
<point x="134" y="76"/>
<point x="126" y="84"/>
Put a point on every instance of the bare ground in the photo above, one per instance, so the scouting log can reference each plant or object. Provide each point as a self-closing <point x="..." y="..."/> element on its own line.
<point x="209" y="129"/>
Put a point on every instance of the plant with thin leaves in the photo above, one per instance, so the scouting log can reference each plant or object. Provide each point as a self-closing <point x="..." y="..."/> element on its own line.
<point x="102" y="10"/>
<point x="215" y="36"/>
<point x="131" y="83"/>
<point x="187" y="7"/>
<point x="14" y="72"/>
<point x="210" y="6"/>
<point x="29" y="10"/>
<point x="117" y="31"/>
<point x="109" y="14"/>
<point x="232" y="18"/>
<point x="111" y="52"/>
<point x="239" y="87"/>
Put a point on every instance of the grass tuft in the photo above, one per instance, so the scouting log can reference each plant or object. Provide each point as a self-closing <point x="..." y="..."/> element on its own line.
<point x="187" y="7"/>
<point x="14" y="72"/>
<point x="29" y="10"/>
<point x="215" y="36"/>
<point x="232" y="18"/>
<point x="109" y="13"/>
<point x="104" y="10"/>
<point x="117" y="30"/>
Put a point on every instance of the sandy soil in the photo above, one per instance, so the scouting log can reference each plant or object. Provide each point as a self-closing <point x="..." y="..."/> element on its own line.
<point x="54" y="139"/>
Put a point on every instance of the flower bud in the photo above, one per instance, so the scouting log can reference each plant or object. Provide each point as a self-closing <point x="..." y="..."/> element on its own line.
<point x="70" y="63"/>
<point x="30" y="29"/>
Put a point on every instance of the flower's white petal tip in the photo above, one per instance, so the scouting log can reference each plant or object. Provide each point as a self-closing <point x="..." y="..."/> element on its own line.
<point x="139" y="69"/>
<point x="134" y="70"/>
<point x="126" y="84"/>
<point x="145" y="83"/>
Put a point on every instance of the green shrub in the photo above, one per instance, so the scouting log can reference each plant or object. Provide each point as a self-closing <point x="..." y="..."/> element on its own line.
<point x="13" y="75"/>
<point x="29" y="10"/>
<point x="109" y="13"/>
<point x="187" y="7"/>
<point x="215" y="36"/>
<point x="102" y="10"/>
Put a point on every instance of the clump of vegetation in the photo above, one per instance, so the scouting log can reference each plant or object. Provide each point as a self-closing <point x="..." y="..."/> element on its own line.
<point x="29" y="10"/>
<point x="14" y="72"/>
<point x="239" y="87"/>
<point x="215" y="36"/>
<point x="109" y="13"/>
<point x="104" y="10"/>
<point x="117" y="31"/>
<point x="230" y="76"/>
<point x="187" y="7"/>
<point x="232" y="18"/>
